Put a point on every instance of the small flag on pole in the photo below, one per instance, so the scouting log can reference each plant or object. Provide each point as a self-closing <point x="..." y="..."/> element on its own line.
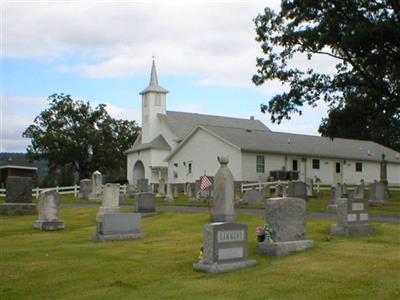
<point x="205" y="183"/>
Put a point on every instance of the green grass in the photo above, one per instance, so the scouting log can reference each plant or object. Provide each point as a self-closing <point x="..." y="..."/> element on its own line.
<point x="392" y="208"/>
<point x="68" y="265"/>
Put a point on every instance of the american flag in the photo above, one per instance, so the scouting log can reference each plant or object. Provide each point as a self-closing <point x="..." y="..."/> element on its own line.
<point x="205" y="183"/>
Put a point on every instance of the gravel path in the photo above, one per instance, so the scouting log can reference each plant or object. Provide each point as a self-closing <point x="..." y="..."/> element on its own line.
<point x="250" y="211"/>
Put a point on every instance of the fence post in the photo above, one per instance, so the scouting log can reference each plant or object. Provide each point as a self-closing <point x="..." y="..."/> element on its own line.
<point x="259" y="185"/>
<point x="37" y="192"/>
<point x="75" y="190"/>
<point x="57" y="188"/>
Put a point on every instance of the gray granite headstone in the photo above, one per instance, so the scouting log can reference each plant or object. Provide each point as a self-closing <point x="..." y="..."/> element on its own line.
<point x="224" y="193"/>
<point x="359" y="191"/>
<point x="131" y="190"/>
<point x="175" y="191"/>
<point x="18" y="197"/>
<point x="161" y="187"/>
<point x="146" y="203"/>
<point x="143" y="185"/>
<point x="110" y="199"/>
<point x="225" y="248"/>
<point x="85" y="188"/>
<point x="49" y="212"/>
<point x="18" y="189"/>
<point x="336" y="194"/>
<point x="309" y="188"/>
<point x="97" y="180"/>
<point x="297" y="189"/>
<point x="253" y="197"/>
<point x="169" y="197"/>
<point x="378" y="194"/>
<point x="118" y="226"/>
<point x="352" y="218"/>
<point x="287" y="221"/>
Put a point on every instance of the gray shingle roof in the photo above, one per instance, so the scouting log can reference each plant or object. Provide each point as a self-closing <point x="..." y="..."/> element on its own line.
<point x="182" y="123"/>
<point x="289" y="143"/>
<point x="158" y="143"/>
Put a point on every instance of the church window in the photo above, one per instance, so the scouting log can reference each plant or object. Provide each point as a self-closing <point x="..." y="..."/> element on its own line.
<point x="315" y="164"/>
<point x="157" y="101"/>
<point x="190" y="168"/>
<point x="145" y="100"/>
<point x="260" y="164"/>
<point x="358" y="167"/>
<point x="175" y="170"/>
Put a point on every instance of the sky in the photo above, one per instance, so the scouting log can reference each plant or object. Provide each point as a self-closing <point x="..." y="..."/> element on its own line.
<point x="101" y="51"/>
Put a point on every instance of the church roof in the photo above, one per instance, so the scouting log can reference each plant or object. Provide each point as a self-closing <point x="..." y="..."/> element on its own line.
<point x="153" y="84"/>
<point x="182" y="123"/>
<point x="157" y="143"/>
<point x="297" y="144"/>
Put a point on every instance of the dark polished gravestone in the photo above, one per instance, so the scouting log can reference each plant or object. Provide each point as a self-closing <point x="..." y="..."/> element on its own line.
<point x="225" y="248"/>
<point x="287" y="222"/>
<point x="145" y="203"/>
<point x="352" y="218"/>
<point x="297" y="189"/>
<point x="18" y="197"/>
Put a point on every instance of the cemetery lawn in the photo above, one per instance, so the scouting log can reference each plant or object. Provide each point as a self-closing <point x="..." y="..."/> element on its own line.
<point x="68" y="265"/>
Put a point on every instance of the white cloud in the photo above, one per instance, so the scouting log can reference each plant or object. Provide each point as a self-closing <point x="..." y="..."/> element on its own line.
<point x="214" y="41"/>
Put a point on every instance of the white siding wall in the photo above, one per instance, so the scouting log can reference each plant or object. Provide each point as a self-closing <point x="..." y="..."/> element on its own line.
<point x="326" y="172"/>
<point x="202" y="149"/>
<point x="393" y="173"/>
<point x="272" y="162"/>
<point x="150" y="122"/>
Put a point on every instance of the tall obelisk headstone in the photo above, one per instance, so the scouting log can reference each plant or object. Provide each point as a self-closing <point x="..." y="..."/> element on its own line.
<point x="224" y="193"/>
<point x="225" y="244"/>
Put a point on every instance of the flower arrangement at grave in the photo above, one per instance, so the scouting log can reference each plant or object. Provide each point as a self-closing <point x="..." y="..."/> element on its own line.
<point x="263" y="234"/>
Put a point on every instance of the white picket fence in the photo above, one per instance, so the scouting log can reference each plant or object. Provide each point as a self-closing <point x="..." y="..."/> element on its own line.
<point x="63" y="190"/>
<point x="260" y="185"/>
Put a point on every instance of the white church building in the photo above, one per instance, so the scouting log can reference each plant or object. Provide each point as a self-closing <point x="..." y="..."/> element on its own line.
<point x="179" y="147"/>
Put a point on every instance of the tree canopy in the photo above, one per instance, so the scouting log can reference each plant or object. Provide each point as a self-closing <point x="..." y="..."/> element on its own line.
<point x="363" y="93"/>
<point x="73" y="134"/>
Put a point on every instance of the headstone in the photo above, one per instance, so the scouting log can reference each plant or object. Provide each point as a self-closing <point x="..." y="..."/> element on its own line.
<point x="189" y="190"/>
<point x="169" y="197"/>
<point x="344" y="190"/>
<point x="97" y="179"/>
<point x="266" y="191"/>
<point x="85" y="188"/>
<point x="287" y="221"/>
<point x="49" y="212"/>
<point x="383" y="169"/>
<point x="131" y="190"/>
<point x="18" y="197"/>
<point x="352" y="218"/>
<point x="279" y="190"/>
<point x="297" y="189"/>
<point x="175" y="190"/>
<point x="161" y="187"/>
<point x="113" y="225"/>
<point x="225" y="248"/>
<point x="309" y="187"/>
<point x="123" y="198"/>
<point x="253" y="197"/>
<point x="146" y="203"/>
<point x="110" y="199"/>
<point x="143" y="185"/>
<point x="378" y="194"/>
<point x="224" y="193"/>
<point x="118" y="226"/>
<point x="336" y="194"/>
<point x="359" y="190"/>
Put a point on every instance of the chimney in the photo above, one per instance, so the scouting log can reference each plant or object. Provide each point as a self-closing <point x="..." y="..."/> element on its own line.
<point x="251" y="117"/>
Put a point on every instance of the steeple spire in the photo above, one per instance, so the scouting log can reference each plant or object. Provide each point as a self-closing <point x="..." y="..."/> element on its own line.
<point x="153" y="85"/>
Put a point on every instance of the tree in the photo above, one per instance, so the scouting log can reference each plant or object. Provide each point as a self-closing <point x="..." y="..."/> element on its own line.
<point x="363" y="36"/>
<point x="70" y="134"/>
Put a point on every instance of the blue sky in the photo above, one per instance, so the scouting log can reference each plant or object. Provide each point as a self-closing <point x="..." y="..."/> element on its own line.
<point x="205" y="55"/>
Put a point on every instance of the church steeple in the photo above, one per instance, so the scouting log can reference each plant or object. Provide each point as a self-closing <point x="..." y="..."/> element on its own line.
<point x="154" y="99"/>
<point x="153" y="85"/>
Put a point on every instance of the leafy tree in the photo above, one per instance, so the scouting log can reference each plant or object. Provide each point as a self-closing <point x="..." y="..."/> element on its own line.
<point x="363" y="36"/>
<point x="71" y="134"/>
